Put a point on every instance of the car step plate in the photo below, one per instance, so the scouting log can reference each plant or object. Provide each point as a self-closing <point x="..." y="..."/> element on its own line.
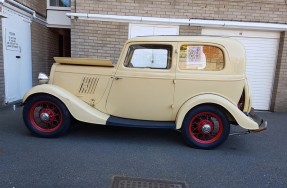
<point x="129" y="182"/>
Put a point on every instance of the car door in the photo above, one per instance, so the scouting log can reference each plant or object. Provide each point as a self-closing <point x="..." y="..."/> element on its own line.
<point x="143" y="86"/>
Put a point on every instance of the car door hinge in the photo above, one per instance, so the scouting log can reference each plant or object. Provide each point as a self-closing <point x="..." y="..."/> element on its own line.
<point x="93" y="102"/>
<point x="174" y="81"/>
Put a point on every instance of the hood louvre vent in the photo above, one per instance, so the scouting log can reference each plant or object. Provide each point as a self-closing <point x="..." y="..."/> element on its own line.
<point x="88" y="85"/>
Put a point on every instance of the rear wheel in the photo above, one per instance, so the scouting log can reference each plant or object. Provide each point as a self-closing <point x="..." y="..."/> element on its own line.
<point x="205" y="127"/>
<point x="46" y="116"/>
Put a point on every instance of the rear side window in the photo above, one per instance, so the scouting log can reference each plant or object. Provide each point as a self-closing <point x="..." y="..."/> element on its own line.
<point x="149" y="56"/>
<point x="201" y="57"/>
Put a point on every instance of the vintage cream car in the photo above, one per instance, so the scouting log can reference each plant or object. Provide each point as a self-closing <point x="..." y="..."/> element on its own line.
<point x="193" y="84"/>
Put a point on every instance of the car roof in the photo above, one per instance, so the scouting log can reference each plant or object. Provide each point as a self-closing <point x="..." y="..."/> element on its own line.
<point x="235" y="49"/>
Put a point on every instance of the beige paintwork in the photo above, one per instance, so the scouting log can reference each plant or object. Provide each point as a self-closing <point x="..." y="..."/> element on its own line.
<point x="79" y="109"/>
<point x="137" y="91"/>
<point x="84" y="61"/>
<point x="88" y="83"/>
<point x="243" y="120"/>
<point x="93" y="93"/>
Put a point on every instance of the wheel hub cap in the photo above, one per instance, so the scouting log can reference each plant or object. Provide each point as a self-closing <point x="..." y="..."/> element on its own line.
<point x="44" y="116"/>
<point x="47" y="115"/>
<point x="206" y="128"/>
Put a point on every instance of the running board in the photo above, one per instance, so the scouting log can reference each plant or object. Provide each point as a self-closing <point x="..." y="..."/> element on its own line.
<point x="124" y="122"/>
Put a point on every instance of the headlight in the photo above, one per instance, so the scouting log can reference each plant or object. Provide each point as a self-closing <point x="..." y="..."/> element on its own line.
<point x="43" y="78"/>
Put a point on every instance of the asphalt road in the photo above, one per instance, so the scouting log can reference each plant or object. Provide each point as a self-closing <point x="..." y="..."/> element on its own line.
<point x="89" y="156"/>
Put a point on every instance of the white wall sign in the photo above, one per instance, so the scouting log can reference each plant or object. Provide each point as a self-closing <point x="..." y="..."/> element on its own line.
<point x="11" y="41"/>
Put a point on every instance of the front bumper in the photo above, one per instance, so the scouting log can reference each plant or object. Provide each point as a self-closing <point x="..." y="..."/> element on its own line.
<point x="262" y="123"/>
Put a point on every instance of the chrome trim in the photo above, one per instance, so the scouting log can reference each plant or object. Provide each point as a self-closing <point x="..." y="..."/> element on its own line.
<point x="43" y="78"/>
<point x="206" y="128"/>
<point x="262" y="123"/>
<point x="44" y="117"/>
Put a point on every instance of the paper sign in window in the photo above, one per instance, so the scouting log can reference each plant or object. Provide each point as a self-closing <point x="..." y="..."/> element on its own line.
<point x="195" y="57"/>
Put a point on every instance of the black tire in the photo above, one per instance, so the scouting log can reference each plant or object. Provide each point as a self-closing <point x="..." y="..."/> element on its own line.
<point x="205" y="127"/>
<point x="56" y="118"/>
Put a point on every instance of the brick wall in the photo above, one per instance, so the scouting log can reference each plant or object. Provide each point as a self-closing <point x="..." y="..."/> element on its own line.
<point x="98" y="39"/>
<point x="2" y="81"/>
<point x="45" y="46"/>
<point x="259" y="11"/>
<point x="38" y="6"/>
<point x="279" y="101"/>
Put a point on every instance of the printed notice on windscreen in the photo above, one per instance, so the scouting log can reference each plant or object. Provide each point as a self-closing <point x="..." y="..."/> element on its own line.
<point x="11" y="41"/>
<point x="195" y="57"/>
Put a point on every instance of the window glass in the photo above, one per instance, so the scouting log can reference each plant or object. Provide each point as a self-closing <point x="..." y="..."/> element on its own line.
<point x="197" y="57"/>
<point x="149" y="56"/>
<point x="60" y="3"/>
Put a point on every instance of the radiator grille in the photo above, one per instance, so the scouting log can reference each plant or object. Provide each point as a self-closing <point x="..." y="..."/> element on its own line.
<point x="88" y="85"/>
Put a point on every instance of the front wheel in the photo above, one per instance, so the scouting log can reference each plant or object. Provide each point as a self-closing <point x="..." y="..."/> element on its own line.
<point x="205" y="127"/>
<point x="46" y="116"/>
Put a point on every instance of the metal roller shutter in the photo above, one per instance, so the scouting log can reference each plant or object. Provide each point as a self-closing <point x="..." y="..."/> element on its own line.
<point x="261" y="53"/>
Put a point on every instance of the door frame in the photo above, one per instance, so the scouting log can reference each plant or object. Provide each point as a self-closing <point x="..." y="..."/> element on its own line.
<point x="7" y="10"/>
<point x="123" y="72"/>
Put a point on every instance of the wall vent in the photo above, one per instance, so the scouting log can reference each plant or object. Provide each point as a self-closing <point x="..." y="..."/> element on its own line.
<point x="88" y="85"/>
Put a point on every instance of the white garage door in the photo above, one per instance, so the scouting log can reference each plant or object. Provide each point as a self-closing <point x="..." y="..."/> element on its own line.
<point x="261" y="53"/>
<point x="136" y="30"/>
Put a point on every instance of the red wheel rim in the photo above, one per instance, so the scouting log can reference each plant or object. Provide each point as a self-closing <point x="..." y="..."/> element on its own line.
<point x="46" y="116"/>
<point x="205" y="127"/>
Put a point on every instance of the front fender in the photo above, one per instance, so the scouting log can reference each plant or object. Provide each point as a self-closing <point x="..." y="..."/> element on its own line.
<point x="79" y="109"/>
<point x="243" y="120"/>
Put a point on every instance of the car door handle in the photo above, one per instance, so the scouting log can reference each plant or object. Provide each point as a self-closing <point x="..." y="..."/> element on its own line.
<point x="18" y="57"/>
<point x="116" y="78"/>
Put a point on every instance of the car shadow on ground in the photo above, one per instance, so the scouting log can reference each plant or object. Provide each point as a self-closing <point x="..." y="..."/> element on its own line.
<point x="101" y="133"/>
<point x="118" y="134"/>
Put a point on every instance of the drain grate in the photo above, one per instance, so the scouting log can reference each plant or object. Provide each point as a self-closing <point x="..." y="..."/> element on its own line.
<point x="128" y="182"/>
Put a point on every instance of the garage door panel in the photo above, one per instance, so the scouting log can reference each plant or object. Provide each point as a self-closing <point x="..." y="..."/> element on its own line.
<point x="259" y="60"/>
<point x="165" y="31"/>
<point x="136" y="30"/>
<point x="262" y="50"/>
<point x="258" y="43"/>
<point x="259" y="50"/>
<point x="261" y="55"/>
<point x="259" y="72"/>
<point x="141" y="31"/>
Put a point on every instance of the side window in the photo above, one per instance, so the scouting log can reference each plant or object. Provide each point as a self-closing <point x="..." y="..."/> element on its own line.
<point x="201" y="57"/>
<point x="149" y="56"/>
<point x="60" y="3"/>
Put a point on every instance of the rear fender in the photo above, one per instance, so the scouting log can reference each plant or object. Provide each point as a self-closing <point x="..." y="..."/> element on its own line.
<point x="79" y="109"/>
<point x="243" y="120"/>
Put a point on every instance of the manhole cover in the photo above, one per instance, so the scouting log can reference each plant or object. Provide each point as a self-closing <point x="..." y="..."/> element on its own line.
<point x="128" y="182"/>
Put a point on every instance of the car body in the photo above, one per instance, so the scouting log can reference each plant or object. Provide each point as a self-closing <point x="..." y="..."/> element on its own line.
<point x="194" y="84"/>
